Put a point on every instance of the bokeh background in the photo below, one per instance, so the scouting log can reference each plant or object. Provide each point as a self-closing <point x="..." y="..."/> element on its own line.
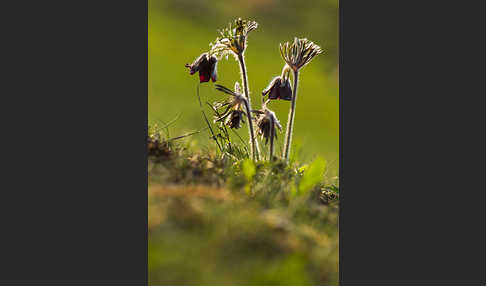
<point x="180" y="30"/>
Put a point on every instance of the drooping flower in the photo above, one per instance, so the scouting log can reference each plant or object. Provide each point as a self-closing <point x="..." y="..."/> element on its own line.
<point x="230" y="111"/>
<point x="299" y="53"/>
<point x="206" y="66"/>
<point x="266" y="123"/>
<point x="278" y="88"/>
<point x="233" y="38"/>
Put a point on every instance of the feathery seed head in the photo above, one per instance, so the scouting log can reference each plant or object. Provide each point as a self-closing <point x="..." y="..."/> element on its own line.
<point x="233" y="38"/>
<point x="299" y="53"/>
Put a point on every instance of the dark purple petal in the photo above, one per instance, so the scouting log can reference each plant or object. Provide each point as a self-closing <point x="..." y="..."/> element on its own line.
<point x="277" y="89"/>
<point x="212" y="68"/>
<point x="206" y="68"/>
<point x="269" y="87"/>
<point x="285" y="91"/>
<point x="264" y="127"/>
<point x="195" y="66"/>
<point x="273" y="92"/>
<point x="204" y="75"/>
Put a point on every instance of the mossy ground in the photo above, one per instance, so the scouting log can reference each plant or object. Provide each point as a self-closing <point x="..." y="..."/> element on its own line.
<point x="215" y="219"/>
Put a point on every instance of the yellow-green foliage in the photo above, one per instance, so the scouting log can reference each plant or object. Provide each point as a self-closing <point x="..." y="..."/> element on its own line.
<point x="218" y="220"/>
<point x="249" y="170"/>
<point x="313" y="174"/>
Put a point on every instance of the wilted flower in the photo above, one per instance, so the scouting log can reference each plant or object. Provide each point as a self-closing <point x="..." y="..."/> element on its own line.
<point x="233" y="38"/>
<point x="278" y="88"/>
<point x="235" y="118"/>
<point x="299" y="53"/>
<point x="206" y="66"/>
<point x="266" y="123"/>
<point x="231" y="111"/>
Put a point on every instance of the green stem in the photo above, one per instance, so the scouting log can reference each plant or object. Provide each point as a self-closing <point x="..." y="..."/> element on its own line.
<point x="244" y="78"/>
<point x="290" y="121"/>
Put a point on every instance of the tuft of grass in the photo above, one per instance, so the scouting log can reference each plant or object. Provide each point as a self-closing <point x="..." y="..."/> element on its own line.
<point x="216" y="218"/>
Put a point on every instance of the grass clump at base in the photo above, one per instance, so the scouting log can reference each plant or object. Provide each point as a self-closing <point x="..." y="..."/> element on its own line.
<point x="216" y="219"/>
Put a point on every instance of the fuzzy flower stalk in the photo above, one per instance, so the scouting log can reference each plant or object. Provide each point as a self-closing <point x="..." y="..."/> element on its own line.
<point x="266" y="123"/>
<point x="233" y="40"/>
<point x="296" y="55"/>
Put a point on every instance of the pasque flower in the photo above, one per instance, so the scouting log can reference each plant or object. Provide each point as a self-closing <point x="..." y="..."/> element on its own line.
<point x="278" y="88"/>
<point x="266" y="123"/>
<point x="296" y="55"/>
<point x="206" y="66"/>
<point x="233" y="40"/>
<point x="231" y="111"/>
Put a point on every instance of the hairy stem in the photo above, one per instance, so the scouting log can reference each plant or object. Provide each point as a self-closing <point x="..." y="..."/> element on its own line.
<point x="290" y="121"/>
<point x="250" y="128"/>
<point x="255" y="152"/>
<point x="272" y="136"/>
<point x="285" y="72"/>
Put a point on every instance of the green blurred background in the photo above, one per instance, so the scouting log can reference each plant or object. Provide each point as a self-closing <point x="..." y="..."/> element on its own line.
<point x="180" y="30"/>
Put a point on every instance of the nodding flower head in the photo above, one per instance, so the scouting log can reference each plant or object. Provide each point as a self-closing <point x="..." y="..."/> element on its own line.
<point x="230" y="111"/>
<point x="278" y="88"/>
<point x="206" y="66"/>
<point x="266" y="121"/>
<point x="233" y="38"/>
<point x="299" y="53"/>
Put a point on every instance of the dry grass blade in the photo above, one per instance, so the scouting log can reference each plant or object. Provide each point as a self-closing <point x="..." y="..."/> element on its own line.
<point x="207" y="121"/>
<point x="185" y="135"/>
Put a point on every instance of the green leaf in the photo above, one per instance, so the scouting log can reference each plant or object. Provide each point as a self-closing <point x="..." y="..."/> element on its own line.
<point x="312" y="175"/>
<point x="249" y="169"/>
